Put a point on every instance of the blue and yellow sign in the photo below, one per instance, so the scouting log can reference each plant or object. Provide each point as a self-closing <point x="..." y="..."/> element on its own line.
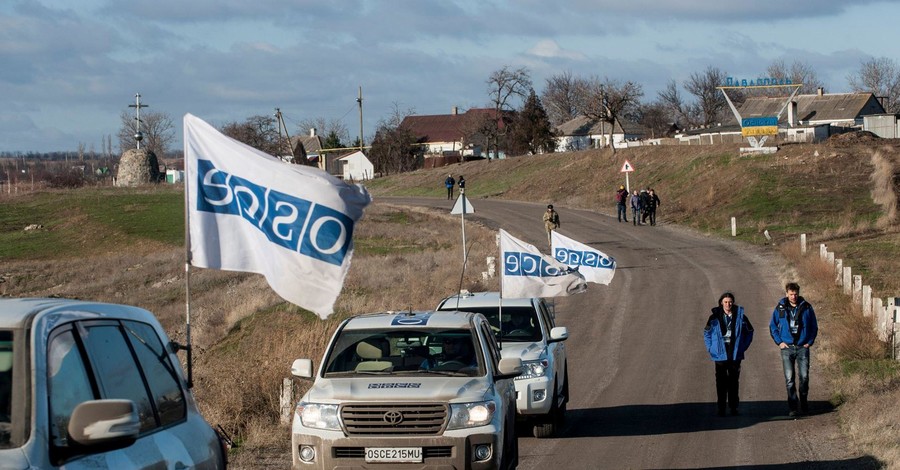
<point x="762" y="125"/>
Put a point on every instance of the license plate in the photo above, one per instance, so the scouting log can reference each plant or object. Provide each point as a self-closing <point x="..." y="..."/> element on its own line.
<point x="393" y="454"/>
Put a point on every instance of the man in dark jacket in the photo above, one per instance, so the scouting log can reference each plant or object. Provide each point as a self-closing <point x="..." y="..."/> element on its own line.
<point x="621" y="203"/>
<point x="794" y="330"/>
<point x="450" y="183"/>
<point x="727" y="335"/>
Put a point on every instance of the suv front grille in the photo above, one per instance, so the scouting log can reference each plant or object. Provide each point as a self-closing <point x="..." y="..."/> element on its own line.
<point x="394" y="419"/>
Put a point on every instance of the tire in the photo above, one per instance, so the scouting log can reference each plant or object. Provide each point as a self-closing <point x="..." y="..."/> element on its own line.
<point x="550" y="425"/>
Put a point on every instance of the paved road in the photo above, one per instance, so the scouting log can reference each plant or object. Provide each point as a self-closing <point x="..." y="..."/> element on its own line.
<point x="643" y="388"/>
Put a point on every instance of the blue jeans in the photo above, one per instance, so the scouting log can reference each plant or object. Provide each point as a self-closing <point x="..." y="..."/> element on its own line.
<point x="790" y="356"/>
<point x="620" y="208"/>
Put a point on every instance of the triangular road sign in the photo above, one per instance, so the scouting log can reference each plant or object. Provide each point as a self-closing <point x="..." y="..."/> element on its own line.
<point x="462" y="206"/>
<point x="627" y="167"/>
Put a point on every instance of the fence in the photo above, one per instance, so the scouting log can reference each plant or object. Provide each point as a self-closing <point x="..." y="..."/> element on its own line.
<point x="886" y="312"/>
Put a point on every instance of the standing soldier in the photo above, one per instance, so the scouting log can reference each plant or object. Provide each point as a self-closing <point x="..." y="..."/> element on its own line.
<point x="551" y="222"/>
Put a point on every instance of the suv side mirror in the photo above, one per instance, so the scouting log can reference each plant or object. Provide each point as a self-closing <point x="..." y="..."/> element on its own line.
<point x="509" y="367"/>
<point x="302" y="368"/>
<point x="106" y="424"/>
<point x="559" y="333"/>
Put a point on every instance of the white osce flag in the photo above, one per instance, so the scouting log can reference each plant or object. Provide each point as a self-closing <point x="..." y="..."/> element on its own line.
<point x="249" y="211"/>
<point x="528" y="273"/>
<point x="593" y="264"/>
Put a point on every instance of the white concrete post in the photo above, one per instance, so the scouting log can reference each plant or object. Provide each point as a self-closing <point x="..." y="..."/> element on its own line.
<point x="823" y="250"/>
<point x="491" y="265"/>
<point x="733" y="227"/>
<point x="880" y="318"/>
<point x="867" y="301"/>
<point x="829" y="257"/>
<point x="287" y="400"/>
<point x="848" y="281"/>
<point x="839" y="272"/>
<point x="803" y="243"/>
<point x="893" y="326"/>
<point x="857" y="288"/>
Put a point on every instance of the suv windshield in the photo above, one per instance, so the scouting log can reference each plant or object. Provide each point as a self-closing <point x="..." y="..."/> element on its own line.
<point x="403" y="352"/>
<point x="519" y="323"/>
<point x="6" y="387"/>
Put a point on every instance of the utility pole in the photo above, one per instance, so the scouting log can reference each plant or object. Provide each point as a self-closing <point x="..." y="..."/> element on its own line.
<point x="359" y="100"/>
<point x="138" y="136"/>
<point x="281" y="125"/>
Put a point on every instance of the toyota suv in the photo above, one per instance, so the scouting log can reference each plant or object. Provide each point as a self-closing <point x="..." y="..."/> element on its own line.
<point x="528" y="331"/>
<point x="408" y="390"/>
<point x="94" y="385"/>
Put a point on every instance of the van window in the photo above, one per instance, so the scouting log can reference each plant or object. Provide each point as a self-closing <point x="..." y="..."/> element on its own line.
<point x="116" y="371"/>
<point x="67" y="379"/>
<point x="161" y="375"/>
<point x="6" y="363"/>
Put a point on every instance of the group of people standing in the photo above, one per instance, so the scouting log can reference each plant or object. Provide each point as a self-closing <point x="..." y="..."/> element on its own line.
<point x="728" y="335"/>
<point x="643" y="205"/>
<point x="450" y="183"/>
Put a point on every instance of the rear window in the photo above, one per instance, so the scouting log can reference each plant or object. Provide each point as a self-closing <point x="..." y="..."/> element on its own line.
<point x="519" y="323"/>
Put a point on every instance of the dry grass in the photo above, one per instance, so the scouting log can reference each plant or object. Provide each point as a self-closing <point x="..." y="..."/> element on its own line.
<point x="884" y="182"/>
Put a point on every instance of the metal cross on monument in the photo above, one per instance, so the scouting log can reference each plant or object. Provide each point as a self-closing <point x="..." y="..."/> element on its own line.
<point x="138" y="136"/>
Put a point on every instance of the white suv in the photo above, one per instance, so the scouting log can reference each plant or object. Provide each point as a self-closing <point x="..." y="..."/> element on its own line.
<point x="408" y="390"/>
<point x="527" y="331"/>
<point x="94" y="385"/>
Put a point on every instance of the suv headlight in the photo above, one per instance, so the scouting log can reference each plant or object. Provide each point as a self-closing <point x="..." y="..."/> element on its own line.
<point x="318" y="416"/>
<point x="470" y="415"/>
<point x="532" y="369"/>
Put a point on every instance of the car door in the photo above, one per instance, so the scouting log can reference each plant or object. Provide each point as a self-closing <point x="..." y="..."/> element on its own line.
<point x="556" y="350"/>
<point x="102" y="359"/>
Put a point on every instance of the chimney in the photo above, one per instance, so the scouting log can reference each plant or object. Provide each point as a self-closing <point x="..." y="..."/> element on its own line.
<point x="792" y="113"/>
<point x="455" y="110"/>
<point x="820" y="91"/>
<point x="312" y="131"/>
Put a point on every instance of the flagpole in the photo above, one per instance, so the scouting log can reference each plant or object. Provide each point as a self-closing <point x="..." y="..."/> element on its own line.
<point x="187" y="268"/>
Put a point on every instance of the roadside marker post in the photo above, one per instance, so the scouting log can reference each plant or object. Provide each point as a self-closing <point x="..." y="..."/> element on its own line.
<point x="627" y="168"/>
<point x="463" y="207"/>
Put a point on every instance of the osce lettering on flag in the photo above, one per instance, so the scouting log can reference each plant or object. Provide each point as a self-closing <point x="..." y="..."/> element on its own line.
<point x="593" y="264"/>
<point x="528" y="273"/>
<point x="249" y="211"/>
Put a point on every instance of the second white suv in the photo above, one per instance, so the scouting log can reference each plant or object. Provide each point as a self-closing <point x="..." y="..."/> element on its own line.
<point x="527" y="331"/>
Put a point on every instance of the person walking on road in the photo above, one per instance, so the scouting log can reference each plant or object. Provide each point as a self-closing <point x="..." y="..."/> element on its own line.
<point x="794" y="330"/>
<point x="636" y="208"/>
<point x="462" y="184"/>
<point x="551" y="222"/>
<point x="652" y="204"/>
<point x="621" y="201"/>
<point x="450" y="183"/>
<point x="727" y="335"/>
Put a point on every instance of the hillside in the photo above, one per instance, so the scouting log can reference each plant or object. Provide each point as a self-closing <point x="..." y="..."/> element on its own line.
<point x="842" y="192"/>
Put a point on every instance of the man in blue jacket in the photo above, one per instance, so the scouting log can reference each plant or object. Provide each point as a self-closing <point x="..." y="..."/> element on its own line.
<point x="794" y="329"/>
<point x="728" y="334"/>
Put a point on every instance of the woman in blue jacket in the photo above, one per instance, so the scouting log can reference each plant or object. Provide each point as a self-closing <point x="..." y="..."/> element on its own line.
<point x="728" y="334"/>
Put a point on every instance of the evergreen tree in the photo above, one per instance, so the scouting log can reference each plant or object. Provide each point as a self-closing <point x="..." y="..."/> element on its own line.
<point x="532" y="132"/>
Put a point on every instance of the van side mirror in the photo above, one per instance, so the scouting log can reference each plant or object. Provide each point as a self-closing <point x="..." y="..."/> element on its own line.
<point x="508" y="368"/>
<point x="302" y="368"/>
<point x="106" y="424"/>
<point x="559" y="333"/>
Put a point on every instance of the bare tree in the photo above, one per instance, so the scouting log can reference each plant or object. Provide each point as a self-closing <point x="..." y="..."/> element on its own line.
<point x="657" y="118"/>
<point x="156" y="128"/>
<point x="325" y="127"/>
<point x="798" y="72"/>
<point x="394" y="147"/>
<point x="504" y="87"/>
<point x="710" y="100"/>
<point x="672" y="99"/>
<point x="563" y="97"/>
<point x="881" y="77"/>
<point x="259" y="132"/>
<point x="610" y="100"/>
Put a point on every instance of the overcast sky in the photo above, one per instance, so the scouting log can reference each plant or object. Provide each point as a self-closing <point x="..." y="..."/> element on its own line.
<point x="68" y="68"/>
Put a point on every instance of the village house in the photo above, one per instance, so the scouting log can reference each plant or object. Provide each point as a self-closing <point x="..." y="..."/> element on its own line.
<point x="449" y="138"/>
<point x="583" y="132"/>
